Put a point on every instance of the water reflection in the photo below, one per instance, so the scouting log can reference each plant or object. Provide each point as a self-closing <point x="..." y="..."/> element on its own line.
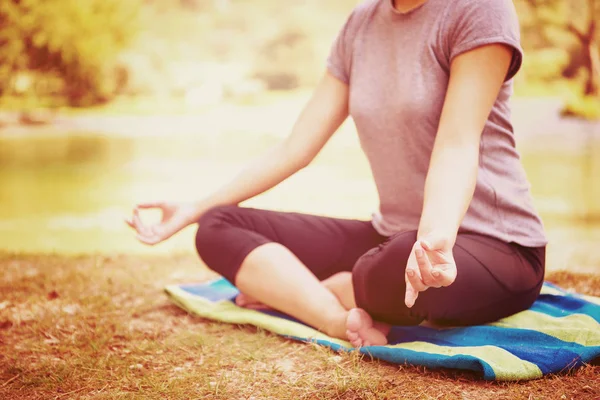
<point x="70" y="150"/>
<point x="69" y="192"/>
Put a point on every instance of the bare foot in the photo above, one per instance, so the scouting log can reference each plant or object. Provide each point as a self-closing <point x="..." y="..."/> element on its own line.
<point x="243" y="300"/>
<point x="362" y="331"/>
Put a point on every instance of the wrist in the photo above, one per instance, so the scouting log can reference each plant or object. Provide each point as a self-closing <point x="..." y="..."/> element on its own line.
<point x="444" y="238"/>
<point x="198" y="208"/>
<point x="193" y="212"/>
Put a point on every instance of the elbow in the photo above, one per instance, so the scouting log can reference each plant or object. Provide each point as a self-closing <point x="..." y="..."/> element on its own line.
<point x="295" y="156"/>
<point x="303" y="162"/>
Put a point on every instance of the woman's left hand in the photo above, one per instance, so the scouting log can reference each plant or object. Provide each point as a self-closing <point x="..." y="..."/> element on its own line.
<point x="430" y="265"/>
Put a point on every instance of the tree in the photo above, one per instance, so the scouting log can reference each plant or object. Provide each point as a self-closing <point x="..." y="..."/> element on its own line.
<point x="579" y="19"/>
<point x="75" y="40"/>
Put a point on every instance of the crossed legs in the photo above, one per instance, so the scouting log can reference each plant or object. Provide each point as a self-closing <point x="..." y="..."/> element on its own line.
<point x="319" y="270"/>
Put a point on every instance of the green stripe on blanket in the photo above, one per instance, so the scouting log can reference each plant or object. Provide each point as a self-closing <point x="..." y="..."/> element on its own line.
<point x="559" y="332"/>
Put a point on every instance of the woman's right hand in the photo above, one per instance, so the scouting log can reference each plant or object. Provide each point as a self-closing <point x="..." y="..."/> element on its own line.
<point x="175" y="217"/>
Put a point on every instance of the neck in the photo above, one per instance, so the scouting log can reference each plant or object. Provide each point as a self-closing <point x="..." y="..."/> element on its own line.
<point x="404" y="6"/>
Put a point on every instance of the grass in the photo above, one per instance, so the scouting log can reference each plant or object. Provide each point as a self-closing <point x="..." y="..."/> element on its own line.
<point x="99" y="327"/>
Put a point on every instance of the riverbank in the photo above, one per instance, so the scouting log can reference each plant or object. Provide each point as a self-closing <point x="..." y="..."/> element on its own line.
<point x="100" y="327"/>
<point x="68" y="186"/>
<point x="271" y="112"/>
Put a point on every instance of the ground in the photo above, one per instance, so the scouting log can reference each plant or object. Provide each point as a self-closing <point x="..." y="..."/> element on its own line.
<point x="100" y="327"/>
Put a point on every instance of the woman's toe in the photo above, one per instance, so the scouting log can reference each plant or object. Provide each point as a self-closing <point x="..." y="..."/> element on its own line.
<point x="352" y="335"/>
<point x="241" y="300"/>
<point x="359" y="323"/>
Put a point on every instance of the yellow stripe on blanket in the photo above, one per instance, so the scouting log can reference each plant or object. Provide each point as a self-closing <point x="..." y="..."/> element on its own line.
<point x="552" y="291"/>
<point x="506" y="365"/>
<point x="592" y="299"/>
<point x="227" y="311"/>
<point x="581" y="329"/>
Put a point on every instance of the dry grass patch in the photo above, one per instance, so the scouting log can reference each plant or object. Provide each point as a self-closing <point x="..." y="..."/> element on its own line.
<point x="100" y="327"/>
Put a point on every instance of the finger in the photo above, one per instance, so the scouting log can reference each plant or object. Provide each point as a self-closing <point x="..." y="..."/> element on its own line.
<point x="156" y="204"/>
<point x="139" y="225"/>
<point x="149" y="240"/>
<point x="425" y="267"/>
<point x="413" y="277"/>
<point x="156" y="230"/>
<point x="129" y="222"/>
<point x="411" y="295"/>
<point x="133" y="224"/>
<point x="445" y="277"/>
<point x="160" y="232"/>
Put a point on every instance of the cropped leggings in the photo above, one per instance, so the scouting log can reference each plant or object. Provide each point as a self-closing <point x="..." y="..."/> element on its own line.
<point x="495" y="279"/>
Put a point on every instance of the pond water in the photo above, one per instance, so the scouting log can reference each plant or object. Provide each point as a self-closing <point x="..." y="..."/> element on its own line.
<point x="68" y="192"/>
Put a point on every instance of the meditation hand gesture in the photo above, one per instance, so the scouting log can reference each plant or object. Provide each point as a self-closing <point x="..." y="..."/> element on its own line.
<point x="175" y="217"/>
<point x="431" y="264"/>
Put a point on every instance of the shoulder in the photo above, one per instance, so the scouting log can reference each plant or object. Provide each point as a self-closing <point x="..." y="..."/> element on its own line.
<point x="492" y="10"/>
<point x="464" y="4"/>
<point x="366" y="6"/>
<point x="362" y="13"/>
<point x="473" y="23"/>
<point x="481" y="19"/>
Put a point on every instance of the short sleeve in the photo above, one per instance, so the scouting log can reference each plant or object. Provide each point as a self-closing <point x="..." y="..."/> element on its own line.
<point x="476" y="23"/>
<point x="340" y="56"/>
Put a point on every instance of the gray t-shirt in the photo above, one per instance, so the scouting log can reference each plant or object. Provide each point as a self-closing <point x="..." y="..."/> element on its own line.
<point x="397" y="68"/>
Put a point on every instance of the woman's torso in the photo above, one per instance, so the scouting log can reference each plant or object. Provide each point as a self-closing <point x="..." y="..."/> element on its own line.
<point x="397" y="68"/>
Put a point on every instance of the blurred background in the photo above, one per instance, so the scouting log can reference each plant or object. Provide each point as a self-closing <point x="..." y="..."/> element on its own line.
<point x="104" y="103"/>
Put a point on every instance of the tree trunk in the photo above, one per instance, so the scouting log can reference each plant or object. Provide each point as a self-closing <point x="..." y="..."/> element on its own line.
<point x="592" y="86"/>
<point x="592" y="56"/>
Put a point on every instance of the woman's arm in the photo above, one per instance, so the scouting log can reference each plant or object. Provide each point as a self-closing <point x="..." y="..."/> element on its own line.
<point x="475" y="81"/>
<point x="321" y="117"/>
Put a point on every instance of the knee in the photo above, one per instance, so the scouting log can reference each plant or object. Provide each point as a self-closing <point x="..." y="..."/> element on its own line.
<point x="209" y="226"/>
<point x="378" y="280"/>
<point x="389" y="257"/>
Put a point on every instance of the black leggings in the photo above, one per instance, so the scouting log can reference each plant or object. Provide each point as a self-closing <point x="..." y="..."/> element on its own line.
<point x="495" y="279"/>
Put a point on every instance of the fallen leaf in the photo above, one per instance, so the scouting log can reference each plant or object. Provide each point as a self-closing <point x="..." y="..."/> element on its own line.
<point x="53" y="295"/>
<point x="6" y="324"/>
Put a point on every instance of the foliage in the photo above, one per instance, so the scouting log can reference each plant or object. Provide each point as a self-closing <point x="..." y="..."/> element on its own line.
<point x="286" y="61"/>
<point x="74" y="42"/>
<point x="85" y="51"/>
<point x="569" y="25"/>
<point x="587" y="107"/>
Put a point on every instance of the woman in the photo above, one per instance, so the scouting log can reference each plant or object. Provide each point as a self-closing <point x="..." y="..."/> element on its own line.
<point x="456" y="239"/>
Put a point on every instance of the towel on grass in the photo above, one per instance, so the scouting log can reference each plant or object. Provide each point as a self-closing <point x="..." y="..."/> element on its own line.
<point x="561" y="331"/>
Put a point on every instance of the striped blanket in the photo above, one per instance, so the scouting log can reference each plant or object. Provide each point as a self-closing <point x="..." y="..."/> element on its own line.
<point x="561" y="331"/>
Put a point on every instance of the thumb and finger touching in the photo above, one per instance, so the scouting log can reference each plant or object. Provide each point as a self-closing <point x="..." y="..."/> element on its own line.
<point x="430" y="265"/>
<point x="150" y="234"/>
<point x="440" y="261"/>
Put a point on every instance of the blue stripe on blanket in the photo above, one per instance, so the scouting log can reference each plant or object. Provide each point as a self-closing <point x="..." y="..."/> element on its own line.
<point x="429" y="360"/>
<point x="561" y="306"/>
<point x="547" y="353"/>
<point x="561" y="331"/>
